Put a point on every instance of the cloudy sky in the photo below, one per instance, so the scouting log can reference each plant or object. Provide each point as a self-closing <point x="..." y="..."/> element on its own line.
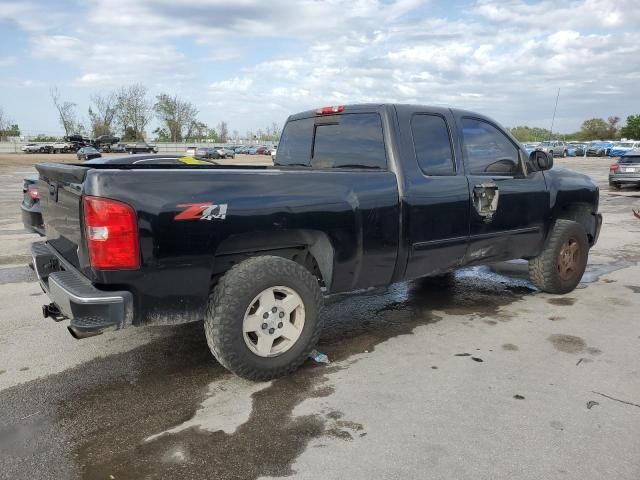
<point x="252" y="62"/>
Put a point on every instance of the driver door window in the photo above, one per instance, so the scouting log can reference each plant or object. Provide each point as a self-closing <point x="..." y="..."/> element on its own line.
<point x="487" y="150"/>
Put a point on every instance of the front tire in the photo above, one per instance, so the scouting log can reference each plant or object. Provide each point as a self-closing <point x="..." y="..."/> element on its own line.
<point x="263" y="317"/>
<point x="560" y="266"/>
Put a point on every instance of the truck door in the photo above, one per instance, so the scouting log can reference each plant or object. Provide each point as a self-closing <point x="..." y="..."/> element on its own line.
<point x="435" y="192"/>
<point x="509" y="208"/>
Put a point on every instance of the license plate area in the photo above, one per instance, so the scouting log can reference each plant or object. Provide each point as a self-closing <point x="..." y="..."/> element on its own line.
<point x="629" y="170"/>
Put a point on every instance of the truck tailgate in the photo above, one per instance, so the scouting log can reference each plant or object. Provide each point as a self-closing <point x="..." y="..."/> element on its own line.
<point x="60" y="189"/>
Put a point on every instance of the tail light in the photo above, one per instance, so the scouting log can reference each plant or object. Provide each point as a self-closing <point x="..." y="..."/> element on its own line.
<point x="613" y="167"/>
<point x="330" y="110"/>
<point x="33" y="192"/>
<point x="112" y="234"/>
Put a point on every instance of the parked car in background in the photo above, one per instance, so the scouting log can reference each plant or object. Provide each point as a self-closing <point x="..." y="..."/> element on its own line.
<point x="530" y="147"/>
<point x="141" y="147"/>
<point x="118" y="148"/>
<point x="208" y="153"/>
<point x="576" y="149"/>
<point x="106" y="140"/>
<point x="30" y="148"/>
<point x="274" y="151"/>
<point x="252" y="150"/>
<point x="191" y="151"/>
<point x="553" y="147"/>
<point x="30" y="206"/>
<point x="220" y="150"/>
<point x="76" y="137"/>
<point x="239" y="149"/>
<point x="88" y="153"/>
<point x="62" y="147"/>
<point x="229" y="152"/>
<point x="626" y="170"/>
<point x="598" y="149"/>
<point x="262" y="150"/>
<point x="620" y="148"/>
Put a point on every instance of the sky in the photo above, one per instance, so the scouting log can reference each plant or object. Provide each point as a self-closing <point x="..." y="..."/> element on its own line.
<point x="251" y="62"/>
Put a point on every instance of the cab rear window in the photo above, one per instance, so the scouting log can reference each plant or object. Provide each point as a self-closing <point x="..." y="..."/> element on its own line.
<point x="338" y="141"/>
<point x="349" y="140"/>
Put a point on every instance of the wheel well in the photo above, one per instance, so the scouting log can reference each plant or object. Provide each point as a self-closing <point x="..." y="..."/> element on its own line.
<point x="579" y="213"/>
<point x="309" y="248"/>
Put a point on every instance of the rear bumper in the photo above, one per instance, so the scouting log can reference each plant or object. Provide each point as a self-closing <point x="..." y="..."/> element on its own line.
<point x="598" y="226"/>
<point x="32" y="219"/>
<point x="91" y="310"/>
<point x="625" y="178"/>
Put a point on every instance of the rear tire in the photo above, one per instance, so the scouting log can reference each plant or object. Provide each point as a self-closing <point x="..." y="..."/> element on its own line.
<point x="235" y="303"/>
<point x="560" y="266"/>
<point x="615" y="186"/>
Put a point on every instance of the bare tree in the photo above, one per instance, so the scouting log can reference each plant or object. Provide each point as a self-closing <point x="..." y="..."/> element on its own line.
<point x="179" y="116"/>
<point x="223" y="131"/>
<point x="133" y="111"/>
<point x="102" y="113"/>
<point x="66" y="112"/>
<point x="4" y="123"/>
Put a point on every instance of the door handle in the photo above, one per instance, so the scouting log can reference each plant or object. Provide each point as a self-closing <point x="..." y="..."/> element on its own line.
<point x="485" y="200"/>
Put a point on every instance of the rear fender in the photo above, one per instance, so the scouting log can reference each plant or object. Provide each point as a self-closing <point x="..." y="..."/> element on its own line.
<point x="293" y="244"/>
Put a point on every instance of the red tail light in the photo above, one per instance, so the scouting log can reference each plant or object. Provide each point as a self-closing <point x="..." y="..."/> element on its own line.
<point x="33" y="193"/>
<point x="330" y="110"/>
<point x="613" y="167"/>
<point x="112" y="234"/>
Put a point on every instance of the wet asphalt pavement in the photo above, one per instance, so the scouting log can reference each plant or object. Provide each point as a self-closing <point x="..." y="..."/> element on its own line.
<point x="482" y="378"/>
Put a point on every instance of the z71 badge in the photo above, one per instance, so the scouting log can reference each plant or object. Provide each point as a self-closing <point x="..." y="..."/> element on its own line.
<point x="202" y="211"/>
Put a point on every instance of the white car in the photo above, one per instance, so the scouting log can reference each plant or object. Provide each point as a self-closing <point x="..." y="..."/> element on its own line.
<point x="31" y="148"/>
<point x="273" y="152"/>
<point x="191" y="151"/>
<point x="61" y="147"/>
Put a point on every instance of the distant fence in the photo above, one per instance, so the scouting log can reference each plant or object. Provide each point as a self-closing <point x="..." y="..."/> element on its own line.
<point x="163" y="147"/>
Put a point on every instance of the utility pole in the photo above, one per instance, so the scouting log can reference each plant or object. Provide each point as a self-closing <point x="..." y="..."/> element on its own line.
<point x="554" y="115"/>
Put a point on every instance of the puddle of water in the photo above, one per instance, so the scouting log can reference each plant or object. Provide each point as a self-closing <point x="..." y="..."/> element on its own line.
<point x="100" y="413"/>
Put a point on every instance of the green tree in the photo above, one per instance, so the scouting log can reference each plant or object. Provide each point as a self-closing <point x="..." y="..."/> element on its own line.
<point x="632" y="128"/>
<point x="177" y="115"/>
<point x="102" y="113"/>
<point x="133" y="111"/>
<point x="594" y="129"/>
<point x="162" y="135"/>
<point x="41" y="137"/>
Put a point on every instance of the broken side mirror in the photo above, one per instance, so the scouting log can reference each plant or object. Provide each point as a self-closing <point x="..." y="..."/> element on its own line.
<point x="543" y="160"/>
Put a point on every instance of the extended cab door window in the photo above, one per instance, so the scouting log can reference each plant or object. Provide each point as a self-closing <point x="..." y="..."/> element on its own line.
<point x="349" y="140"/>
<point x="295" y="143"/>
<point x="487" y="150"/>
<point x="432" y="145"/>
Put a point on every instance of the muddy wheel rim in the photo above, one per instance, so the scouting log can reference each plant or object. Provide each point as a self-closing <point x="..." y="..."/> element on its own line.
<point x="273" y="321"/>
<point x="569" y="259"/>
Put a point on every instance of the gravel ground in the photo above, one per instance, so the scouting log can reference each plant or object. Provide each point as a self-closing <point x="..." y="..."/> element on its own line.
<point x="487" y="379"/>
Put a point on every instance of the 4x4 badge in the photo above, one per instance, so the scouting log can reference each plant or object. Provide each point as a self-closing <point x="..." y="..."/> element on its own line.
<point x="202" y="211"/>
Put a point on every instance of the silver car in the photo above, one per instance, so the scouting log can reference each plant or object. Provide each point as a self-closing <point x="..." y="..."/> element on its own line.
<point x="554" y="147"/>
<point x="625" y="171"/>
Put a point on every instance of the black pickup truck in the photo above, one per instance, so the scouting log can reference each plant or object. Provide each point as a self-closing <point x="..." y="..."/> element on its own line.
<point x="359" y="196"/>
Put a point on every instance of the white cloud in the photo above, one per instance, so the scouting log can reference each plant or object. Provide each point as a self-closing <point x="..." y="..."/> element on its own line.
<point x="7" y="61"/>
<point x="500" y="57"/>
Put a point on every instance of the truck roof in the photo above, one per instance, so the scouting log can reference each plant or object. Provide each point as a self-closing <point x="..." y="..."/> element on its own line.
<point x="363" y="107"/>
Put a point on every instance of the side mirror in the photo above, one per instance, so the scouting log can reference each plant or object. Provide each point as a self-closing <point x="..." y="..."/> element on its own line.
<point x="543" y="160"/>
